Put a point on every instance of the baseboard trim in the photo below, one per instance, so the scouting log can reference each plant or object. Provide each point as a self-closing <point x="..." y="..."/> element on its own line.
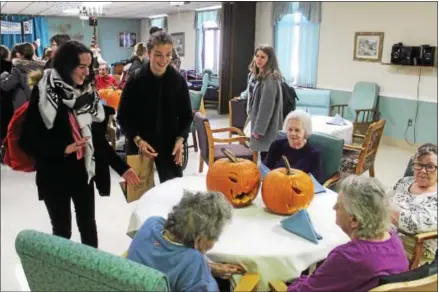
<point x="400" y="143"/>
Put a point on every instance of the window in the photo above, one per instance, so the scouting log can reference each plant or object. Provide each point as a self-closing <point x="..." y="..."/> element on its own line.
<point x="297" y="42"/>
<point x="211" y="46"/>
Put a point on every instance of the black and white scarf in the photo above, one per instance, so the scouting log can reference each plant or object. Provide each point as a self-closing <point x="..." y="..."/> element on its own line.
<point x="91" y="111"/>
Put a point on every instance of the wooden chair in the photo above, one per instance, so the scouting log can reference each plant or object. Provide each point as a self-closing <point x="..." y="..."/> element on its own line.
<point x="426" y="284"/>
<point x="237" y="113"/>
<point x="210" y="151"/>
<point x="358" y="159"/>
<point x="361" y="107"/>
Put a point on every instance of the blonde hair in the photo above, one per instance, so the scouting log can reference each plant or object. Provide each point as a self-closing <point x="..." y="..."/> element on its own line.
<point x="139" y="50"/>
<point x="272" y="66"/>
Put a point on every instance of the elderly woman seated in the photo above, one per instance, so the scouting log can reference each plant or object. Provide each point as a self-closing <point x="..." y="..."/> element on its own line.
<point x="415" y="200"/>
<point x="300" y="154"/>
<point x="363" y="212"/>
<point x="177" y="246"/>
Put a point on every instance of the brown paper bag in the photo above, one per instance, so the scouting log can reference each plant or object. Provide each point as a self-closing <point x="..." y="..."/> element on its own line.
<point x="144" y="168"/>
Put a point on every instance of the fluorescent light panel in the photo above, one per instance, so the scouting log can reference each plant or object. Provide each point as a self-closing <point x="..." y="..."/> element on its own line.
<point x="210" y="8"/>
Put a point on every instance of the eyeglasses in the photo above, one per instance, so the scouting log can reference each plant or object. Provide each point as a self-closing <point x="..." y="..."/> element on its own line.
<point x="428" y="167"/>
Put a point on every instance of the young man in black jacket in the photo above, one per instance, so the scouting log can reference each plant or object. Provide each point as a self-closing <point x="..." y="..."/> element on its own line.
<point x="155" y="110"/>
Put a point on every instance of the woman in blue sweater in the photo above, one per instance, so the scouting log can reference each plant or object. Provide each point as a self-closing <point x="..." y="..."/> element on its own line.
<point x="301" y="154"/>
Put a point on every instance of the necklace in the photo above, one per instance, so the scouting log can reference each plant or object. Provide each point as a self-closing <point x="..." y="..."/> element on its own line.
<point x="170" y="238"/>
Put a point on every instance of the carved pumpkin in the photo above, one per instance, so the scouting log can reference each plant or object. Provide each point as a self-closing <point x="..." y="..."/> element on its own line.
<point x="286" y="191"/>
<point x="238" y="179"/>
<point x="111" y="96"/>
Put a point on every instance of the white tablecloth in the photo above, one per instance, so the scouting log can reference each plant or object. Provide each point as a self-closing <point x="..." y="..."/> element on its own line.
<point x="319" y="124"/>
<point x="254" y="238"/>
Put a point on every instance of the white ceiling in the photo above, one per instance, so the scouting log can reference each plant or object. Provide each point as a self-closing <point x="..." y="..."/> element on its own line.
<point x="113" y="10"/>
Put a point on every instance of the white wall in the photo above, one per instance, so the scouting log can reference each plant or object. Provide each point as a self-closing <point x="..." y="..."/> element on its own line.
<point x="413" y="23"/>
<point x="184" y="22"/>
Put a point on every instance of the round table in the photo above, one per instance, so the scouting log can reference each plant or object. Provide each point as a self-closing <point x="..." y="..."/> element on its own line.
<point x="254" y="238"/>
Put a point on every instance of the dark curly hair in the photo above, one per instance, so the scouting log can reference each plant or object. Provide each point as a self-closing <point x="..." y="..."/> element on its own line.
<point x="159" y="38"/>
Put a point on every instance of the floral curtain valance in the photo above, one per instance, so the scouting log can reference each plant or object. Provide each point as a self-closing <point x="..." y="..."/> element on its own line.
<point x="204" y="16"/>
<point x="312" y="11"/>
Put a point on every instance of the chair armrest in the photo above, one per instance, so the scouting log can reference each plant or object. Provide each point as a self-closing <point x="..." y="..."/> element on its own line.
<point x="248" y="282"/>
<point x="241" y="139"/>
<point x="229" y="129"/>
<point x="359" y="136"/>
<point x="338" y="105"/>
<point x="421" y="237"/>
<point x="277" y="286"/>
<point x="352" y="147"/>
<point x="333" y="179"/>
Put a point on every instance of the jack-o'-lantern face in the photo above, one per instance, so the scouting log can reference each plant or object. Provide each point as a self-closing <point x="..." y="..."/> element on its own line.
<point x="286" y="191"/>
<point x="238" y="179"/>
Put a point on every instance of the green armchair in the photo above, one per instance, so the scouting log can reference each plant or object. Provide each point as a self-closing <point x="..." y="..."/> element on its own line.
<point x="52" y="263"/>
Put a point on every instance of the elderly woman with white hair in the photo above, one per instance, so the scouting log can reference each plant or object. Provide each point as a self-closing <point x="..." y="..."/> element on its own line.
<point x="177" y="246"/>
<point x="300" y="154"/>
<point x="363" y="212"/>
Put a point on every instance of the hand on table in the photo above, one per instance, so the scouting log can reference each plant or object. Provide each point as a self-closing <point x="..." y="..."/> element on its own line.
<point x="225" y="271"/>
<point x="131" y="177"/>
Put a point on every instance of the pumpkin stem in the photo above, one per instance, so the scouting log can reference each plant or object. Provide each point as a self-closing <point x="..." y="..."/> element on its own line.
<point x="287" y="165"/>
<point x="229" y="154"/>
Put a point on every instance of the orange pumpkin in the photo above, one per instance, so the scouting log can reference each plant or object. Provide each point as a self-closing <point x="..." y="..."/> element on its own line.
<point x="238" y="179"/>
<point x="286" y="191"/>
<point x="111" y="96"/>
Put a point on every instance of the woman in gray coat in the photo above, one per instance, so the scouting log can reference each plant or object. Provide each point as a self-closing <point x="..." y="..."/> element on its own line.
<point x="265" y="102"/>
<point x="16" y="81"/>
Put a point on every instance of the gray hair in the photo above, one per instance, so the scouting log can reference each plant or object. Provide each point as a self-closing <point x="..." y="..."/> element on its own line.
<point x="424" y="150"/>
<point x="367" y="200"/>
<point x="199" y="213"/>
<point x="303" y="117"/>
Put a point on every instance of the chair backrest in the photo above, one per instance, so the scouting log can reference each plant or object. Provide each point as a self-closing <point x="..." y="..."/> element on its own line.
<point x="364" y="96"/>
<point x="52" y="263"/>
<point x="373" y="139"/>
<point x="238" y="113"/>
<point x="205" y="84"/>
<point x="409" y="169"/>
<point x="195" y="97"/>
<point x="331" y="151"/>
<point x="203" y="137"/>
<point x="425" y="284"/>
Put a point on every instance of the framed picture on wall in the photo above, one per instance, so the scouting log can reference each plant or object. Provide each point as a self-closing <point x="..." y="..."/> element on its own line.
<point x="127" y="39"/>
<point x="179" y="43"/>
<point x="368" y="46"/>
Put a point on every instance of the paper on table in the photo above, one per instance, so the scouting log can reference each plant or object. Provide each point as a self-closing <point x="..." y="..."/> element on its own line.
<point x="301" y="225"/>
<point x="318" y="188"/>
<point x="337" y="120"/>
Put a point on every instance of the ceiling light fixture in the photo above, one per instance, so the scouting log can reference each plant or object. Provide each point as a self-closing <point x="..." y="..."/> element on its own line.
<point x="177" y="4"/>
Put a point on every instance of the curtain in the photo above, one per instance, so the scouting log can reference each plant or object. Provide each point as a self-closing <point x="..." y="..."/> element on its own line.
<point x="308" y="53"/>
<point x="200" y="18"/>
<point x="284" y="44"/>
<point x="312" y="11"/>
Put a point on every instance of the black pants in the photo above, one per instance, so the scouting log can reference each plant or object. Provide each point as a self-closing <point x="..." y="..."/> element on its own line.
<point x="58" y="205"/>
<point x="223" y="284"/>
<point x="263" y="155"/>
<point x="166" y="167"/>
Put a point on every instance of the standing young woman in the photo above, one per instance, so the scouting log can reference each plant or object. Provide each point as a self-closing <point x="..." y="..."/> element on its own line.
<point x="265" y="102"/>
<point x="63" y="130"/>
<point x="155" y="110"/>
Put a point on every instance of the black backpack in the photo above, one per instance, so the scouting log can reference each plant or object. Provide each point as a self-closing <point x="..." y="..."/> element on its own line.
<point x="289" y="98"/>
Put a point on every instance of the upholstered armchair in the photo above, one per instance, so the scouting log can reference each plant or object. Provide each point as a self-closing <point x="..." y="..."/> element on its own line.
<point x="358" y="159"/>
<point x="210" y="147"/>
<point x="361" y="107"/>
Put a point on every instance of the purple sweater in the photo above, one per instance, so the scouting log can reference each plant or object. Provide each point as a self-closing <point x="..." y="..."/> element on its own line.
<point x="355" y="266"/>
<point x="306" y="159"/>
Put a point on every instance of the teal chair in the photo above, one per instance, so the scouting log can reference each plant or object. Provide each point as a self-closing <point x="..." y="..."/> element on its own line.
<point x="313" y="101"/>
<point x="361" y="108"/>
<point x="52" y="263"/>
<point x="331" y="152"/>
